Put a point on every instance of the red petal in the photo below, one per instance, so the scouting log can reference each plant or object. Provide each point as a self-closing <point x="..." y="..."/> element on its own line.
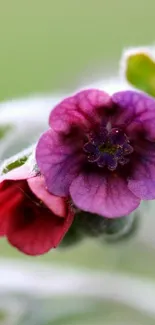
<point x="10" y="198"/>
<point x="35" y="230"/>
<point x="28" y="224"/>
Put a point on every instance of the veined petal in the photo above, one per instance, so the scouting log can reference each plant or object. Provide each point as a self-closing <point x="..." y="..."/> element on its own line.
<point x="106" y="195"/>
<point x="136" y="111"/>
<point x="142" y="179"/>
<point x="82" y="110"/>
<point x="59" y="161"/>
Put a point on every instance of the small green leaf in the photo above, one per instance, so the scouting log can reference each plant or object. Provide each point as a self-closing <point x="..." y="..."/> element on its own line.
<point x="16" y="161"/>
<point x="140" y="72"/>
<point x="4" y="129"/>
<point x="14" y="164"/>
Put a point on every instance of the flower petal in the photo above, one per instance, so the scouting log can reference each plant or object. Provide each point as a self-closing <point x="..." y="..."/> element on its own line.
<point x="11" y="196"/>
<point x="55" y="203"/>
<point x="142" y="179"/>
<point x="144" y="189"/>
<point x="136" y="111"/>
<point x="59" y="161"/>
<point x="107" y="196"/>
<point x="22" y="172"/>
<point x="84" y="110"/>
<point x="37" y="233"/>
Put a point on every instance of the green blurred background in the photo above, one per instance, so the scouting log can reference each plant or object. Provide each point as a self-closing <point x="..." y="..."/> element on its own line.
<point x="52" y="44"/>
<point x="55" y="45"/>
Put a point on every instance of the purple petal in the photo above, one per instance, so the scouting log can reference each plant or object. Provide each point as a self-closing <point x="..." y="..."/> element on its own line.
<point x="59" y="161"/>
<point x="83" y="110"/>
<point x="144" y="189"/>
<point x="142" y="180"/>
<point x="107" y="196"/>
<point x="136" y="111"/>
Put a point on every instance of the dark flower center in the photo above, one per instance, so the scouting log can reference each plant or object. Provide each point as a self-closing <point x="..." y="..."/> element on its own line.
<point x="108" y="148"/>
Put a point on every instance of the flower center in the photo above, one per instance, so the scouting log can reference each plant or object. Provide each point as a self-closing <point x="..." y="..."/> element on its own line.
<point x="108" y="148"/>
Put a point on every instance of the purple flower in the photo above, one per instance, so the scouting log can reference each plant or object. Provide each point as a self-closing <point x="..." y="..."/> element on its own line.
<point x="100" y="150"/>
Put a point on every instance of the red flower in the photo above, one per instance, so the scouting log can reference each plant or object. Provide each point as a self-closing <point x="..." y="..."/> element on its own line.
<point x="33" y="220"/>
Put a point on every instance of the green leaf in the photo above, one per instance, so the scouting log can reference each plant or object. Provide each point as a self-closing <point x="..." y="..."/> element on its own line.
<point x="140" y="72"/>
<point x="14" y="164"/>
<point x="4" y="129"/>
<point x="16" y="161"/>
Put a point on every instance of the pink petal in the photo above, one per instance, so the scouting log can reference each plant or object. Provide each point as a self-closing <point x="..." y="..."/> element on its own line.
<point x="84" y="110"/>
<point x="22" y="172"/>
<point x="59" y="161"/>
<point x="56" y="204"/>
<point x="107" y="196"/>
<point x="136" y="111"/>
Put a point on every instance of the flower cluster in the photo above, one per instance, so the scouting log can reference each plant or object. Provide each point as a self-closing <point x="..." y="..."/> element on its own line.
<point x="98" y="156"/>
<point x="32" y="219"/>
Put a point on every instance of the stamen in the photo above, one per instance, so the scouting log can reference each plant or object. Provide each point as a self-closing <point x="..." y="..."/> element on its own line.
<point x="108" y="148"/>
